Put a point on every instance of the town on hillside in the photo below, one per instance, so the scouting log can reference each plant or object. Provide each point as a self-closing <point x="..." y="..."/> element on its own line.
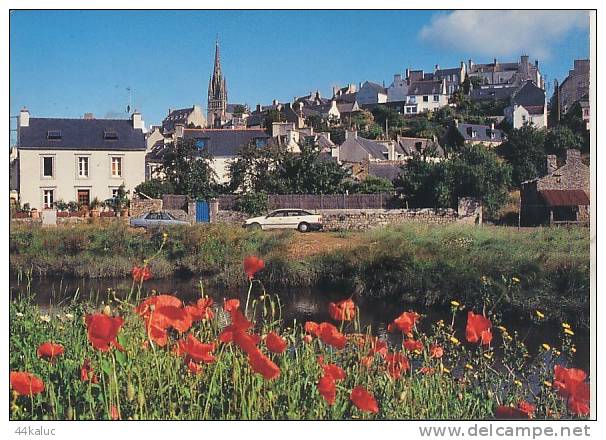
<point x="480" y="131"/>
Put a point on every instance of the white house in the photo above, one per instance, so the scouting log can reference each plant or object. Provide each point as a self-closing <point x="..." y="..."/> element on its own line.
<point x="528" y="106"/>
<point x="78" y="159"/>
<point x="425" y="96"/>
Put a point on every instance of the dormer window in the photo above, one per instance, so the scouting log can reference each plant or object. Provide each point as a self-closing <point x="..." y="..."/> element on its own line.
<point x="110" y="135"/>
<point x="53" y="135"/>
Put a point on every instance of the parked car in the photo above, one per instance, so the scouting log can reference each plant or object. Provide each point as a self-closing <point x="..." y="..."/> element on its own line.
<point x="156" y="220"/>
<point x="299" y="219"/>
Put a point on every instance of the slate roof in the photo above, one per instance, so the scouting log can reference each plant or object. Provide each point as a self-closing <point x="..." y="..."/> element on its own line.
<point x="377" y="88"/>
<point x="425" y="88"/>
<point x="482" y="133"/>
<point x="178" y="116"/>
<point x="81" y="134"/>
<point x="492" y="93"/>
<point x="529" y="95"/>
<point x="412" y="146"/>
<point x="346" y="107"/>
<point x="389" y="171"/>
<point x="226" y="143"/>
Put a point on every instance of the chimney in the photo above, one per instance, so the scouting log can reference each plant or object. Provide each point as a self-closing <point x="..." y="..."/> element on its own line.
<point x="258" y="108"/>
<point x="275" y="102"/>
<point x="137" y="121"/>
<point x="353" y="134"/>
<point x="391" y="151"/>
<point x="170" y="110"/>
<point x="437" y="67"/>
<point x="470" y="64"/>
<point x="397" y="78"/>
<point x="179" y="130"/>
<point x="573" y="157"/>
<point x="334" y="90"/>
<point x="24" y="117"/>
<point x="89" y="116"/>
<point x="495" y="61"/>
<point x="552" y="163"/>
<point x="407" y="73"/>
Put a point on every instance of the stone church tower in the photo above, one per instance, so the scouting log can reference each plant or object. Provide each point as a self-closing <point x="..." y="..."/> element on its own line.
<point x="217" y="94"/>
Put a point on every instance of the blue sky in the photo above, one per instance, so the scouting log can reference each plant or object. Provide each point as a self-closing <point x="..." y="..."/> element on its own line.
<point x="66" y="63"/>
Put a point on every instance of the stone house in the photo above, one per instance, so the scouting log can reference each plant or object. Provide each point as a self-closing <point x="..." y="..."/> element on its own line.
<point x="371" y="93"/>
<point x="513" y="73"/>
<point x="528" y="106"/>
<point x="474" y="134"/>
<point x="575" y="86"/>
<point x="191" y="117"/>
<point x="78" y="159"/>
<point x="561" y="196"/>
<point x="356" y="149"/>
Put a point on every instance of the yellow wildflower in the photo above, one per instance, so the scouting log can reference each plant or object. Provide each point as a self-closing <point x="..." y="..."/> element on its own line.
<point x="546" y="346"/>
<point x="45" y="318"/>
<point x="557" y="352"/>
<point x="566" y="325"/>
<point x="503" y="329"/>
<point x="507" y="336"/>
<point x="573" y="349"/>
<point x="547" y="383"/>
<point x="440" y="323"/>
<point x="454" y="340"/>
<point x="165" y="235"/>
<point x="445" y="370"/>
<point x="469" y="366"/>
<point x="540" y="314"/>
<point x="515" y="279"/>
<point x="107" y="311"/>
<point x="517" y="382"/>
<point x="488" y="355"/>
<point x="568" y="332"/>
<point x="455" y="303"/>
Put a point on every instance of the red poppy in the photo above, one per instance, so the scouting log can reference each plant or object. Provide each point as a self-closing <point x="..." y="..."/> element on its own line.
<point x="252" y="265"/>
<point x="230" y="305"/>
<point x="527" y="407"/>
<point x="193" y="367"/>
<point x="307" y="339"/>
<point x="330" y="335"/>
<point x="246" y="342"/>
<point x="510" y="413"/>
<point x="158" y="321"/>
<point x="578" y="403"/>
<point x="379" y="346"/>
<point x="50" y="351"/>
<point x="344" y="310"/>
<point x="114" y="413"/>
<point x="405" y="322"/>
<point x="566" y="380"/>
<point x="195" y="350"/>
<point x="397" y="364"/>
<point x="87" y="373"/>
<point x="275" y="343"/>
<point x="26" y="384"/>
<point x="426" y="370"/>
<point x="435" y="351"/>
<point x="201" y="310"/>
<point x="103" y="331"/>
<point x="413" y="345"/>
<point x="312" y="328"/>
<point x="367" y="361"/>
<point x="333" y="370"/>
<point x="363" y="400"/>
<point x="238" y="323"/>
<point x="157" y="301"/>
<point x="327" y="388"/>
<point x="141" y="273"/>
<point x="262" y="365"/>
<point x="478" y="329"/>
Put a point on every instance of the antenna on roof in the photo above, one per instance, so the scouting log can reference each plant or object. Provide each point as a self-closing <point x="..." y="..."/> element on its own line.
<point x="130" y="100"/>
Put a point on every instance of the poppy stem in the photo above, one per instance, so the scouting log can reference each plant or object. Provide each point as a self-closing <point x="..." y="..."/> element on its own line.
<point x="248" y="297"/>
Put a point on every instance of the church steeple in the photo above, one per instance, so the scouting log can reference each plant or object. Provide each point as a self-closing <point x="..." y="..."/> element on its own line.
<point x="217" y="93"/>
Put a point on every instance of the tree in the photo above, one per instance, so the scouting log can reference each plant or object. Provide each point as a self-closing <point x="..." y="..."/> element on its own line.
<point x="239" y="109"/>
<point x="155" y="188"/>
<point x="253" y="169"/>
<point x="475" y="172"/>
<point x="370" y="185"/>
<point x="272" y="116"/>
<point x="560" y="139"/>
<point x="188" y="169"/>
<point x="525" y="151"/>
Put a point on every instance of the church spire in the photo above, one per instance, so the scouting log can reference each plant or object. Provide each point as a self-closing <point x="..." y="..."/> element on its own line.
<point x="217" y="92"/>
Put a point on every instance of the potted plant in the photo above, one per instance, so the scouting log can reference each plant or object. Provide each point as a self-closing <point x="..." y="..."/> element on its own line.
<point x="34" y="213"/>
<point x="62" y="208"/>
<point x="73" y="209"/>
<point x="121" y="202"/>
<point x="95" y="204"/>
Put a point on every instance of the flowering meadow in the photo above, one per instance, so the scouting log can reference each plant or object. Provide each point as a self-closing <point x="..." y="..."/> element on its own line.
<point x="156" y="358"/>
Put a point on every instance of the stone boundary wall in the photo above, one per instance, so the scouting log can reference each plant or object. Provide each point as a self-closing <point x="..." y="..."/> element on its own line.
<point x="139" y="206"/>
<point x="363" y="219"/>
<point x="72" y="220"/>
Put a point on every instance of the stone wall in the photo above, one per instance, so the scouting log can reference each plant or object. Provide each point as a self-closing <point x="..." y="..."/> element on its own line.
<point x="139" y="206"/>
<point x="234" y="217"/>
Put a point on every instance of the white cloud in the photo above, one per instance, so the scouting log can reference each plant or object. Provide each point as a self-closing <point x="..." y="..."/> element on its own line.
<point x="502" y="33"/>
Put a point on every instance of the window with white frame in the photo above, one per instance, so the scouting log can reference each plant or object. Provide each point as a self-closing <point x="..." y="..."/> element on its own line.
<point x="115" y="192"/>
<point x="116" y="166"/>
<point x="48" y="198"/>
<point x="48" y="166"/>
<point x="83" y="166"/>
<point x="436" y="98"/>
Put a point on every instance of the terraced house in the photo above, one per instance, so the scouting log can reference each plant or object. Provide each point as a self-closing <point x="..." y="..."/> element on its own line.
<point x="77" y="159"/>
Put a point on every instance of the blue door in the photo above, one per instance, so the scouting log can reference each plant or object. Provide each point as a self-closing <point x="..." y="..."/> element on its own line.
<point x="202" y="212"/>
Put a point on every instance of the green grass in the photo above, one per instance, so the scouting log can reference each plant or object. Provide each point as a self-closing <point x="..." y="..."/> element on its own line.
<point x="149" y="382"/>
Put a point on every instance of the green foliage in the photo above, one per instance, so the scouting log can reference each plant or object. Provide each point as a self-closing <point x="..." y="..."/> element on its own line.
<point x="155" y="188"/>
<point x="370" y="185"/>
<point x="254" y="203"/>
<point x="188" y="171"/>
<point x="239" y="110"/>
<point x="475" y="172"/>
<point x="560" y="139"/>
<point x="525" y="151"/>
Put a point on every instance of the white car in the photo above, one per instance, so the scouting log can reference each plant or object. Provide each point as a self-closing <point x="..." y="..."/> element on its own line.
<point x="299" y="219"/>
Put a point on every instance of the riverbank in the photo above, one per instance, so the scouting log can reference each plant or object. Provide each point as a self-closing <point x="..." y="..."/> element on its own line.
<point x="518" y="271"/>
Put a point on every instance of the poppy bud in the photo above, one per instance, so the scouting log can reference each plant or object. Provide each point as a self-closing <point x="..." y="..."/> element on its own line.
<point x="70" y="413"/>
<point x="403" y="396"/>
<point x="490" y="394"/>
<point x="107" y="311"/>
<point x="141" y="398"/>
<point x="130" y="392"/>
